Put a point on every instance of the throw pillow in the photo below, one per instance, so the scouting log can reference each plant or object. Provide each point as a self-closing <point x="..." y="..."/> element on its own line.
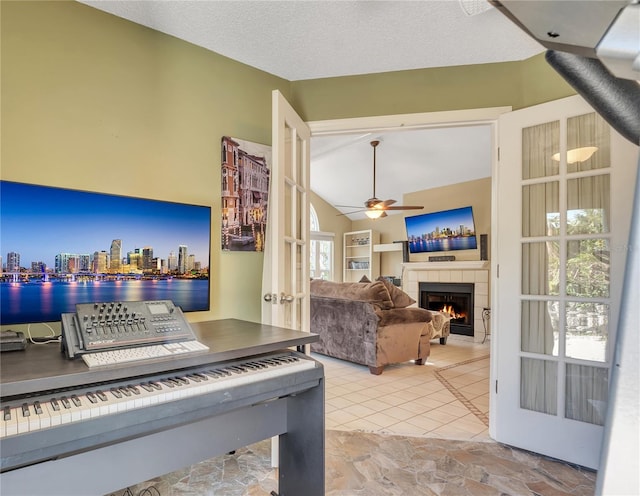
<point x="364" y="279"/>
<point x="399" y="298"/>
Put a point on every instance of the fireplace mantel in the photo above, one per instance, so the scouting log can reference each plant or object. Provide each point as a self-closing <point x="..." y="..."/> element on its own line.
<point x="460" y="265"/>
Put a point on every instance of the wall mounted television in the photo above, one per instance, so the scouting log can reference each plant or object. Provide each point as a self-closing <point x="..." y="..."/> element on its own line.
<point x="445" y="230"/>
<point x="62" y="246"/>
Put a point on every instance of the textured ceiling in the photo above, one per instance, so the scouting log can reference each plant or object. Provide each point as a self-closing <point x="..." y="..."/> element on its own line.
<point x="307" y="39"/>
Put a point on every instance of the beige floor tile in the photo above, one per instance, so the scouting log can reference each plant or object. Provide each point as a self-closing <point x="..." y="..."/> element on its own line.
<point x="450" y="431"/>
<point x="400" y="413"/>
<point x="341" y="417"/>
<point x="455" y="409"/>
<point x="440" y="416"/>
<point x="335" y="391"/>
<point x="359" y="410"/>
<point x="362" y="425"/>
<point x="382" y="419"/>
<point x="424" y="422"/>
<point x="340" y="402"/>
<point x="358" y="396"/>
<point x="444" y="396"/>
<point x="411" y="400"/>
<point x="426" y="403"/>
<point x="404" y="429"/>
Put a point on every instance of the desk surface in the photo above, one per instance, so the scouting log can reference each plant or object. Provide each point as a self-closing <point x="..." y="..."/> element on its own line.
<point x="44" y="367"/>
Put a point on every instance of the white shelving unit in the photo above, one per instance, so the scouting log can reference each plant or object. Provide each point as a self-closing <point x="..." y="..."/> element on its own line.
<point x="359" y="257"/>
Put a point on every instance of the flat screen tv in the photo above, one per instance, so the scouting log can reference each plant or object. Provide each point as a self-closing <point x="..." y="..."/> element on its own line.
<point x="62" y="246"/>
<point x="441" y="231"/>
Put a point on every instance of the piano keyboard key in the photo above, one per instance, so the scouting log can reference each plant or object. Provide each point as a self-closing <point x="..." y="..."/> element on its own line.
<point x="68" y="408"/>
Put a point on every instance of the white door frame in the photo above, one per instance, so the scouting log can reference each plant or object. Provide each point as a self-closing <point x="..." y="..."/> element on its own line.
<point x="426" y="120"/>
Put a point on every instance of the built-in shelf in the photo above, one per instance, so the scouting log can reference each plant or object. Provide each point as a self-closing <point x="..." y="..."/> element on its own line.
<point x="388" y="247"/>
<point x="359" y="257"/>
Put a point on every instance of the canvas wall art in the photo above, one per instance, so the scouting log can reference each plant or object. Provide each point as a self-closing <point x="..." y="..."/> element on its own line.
<point x="246" y="168"/>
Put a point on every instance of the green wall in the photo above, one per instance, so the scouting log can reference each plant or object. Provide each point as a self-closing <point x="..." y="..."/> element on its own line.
<point x="515" y="84"/>
<point x="94" y="102"/>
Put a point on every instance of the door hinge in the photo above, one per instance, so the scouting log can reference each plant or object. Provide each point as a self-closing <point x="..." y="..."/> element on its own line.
<point x="498" y="271"/>
<point x="496" y="387"/>
<point x="498" y="154"/>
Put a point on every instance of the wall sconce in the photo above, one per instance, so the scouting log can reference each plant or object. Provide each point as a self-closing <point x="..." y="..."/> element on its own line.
<point x="577" y="154"/>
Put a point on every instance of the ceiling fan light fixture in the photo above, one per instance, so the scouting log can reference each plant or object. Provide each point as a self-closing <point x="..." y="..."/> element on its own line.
<point x="374" y="214"/>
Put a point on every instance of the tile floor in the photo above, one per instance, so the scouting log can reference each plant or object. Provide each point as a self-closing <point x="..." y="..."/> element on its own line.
<point x="448" y="397"/>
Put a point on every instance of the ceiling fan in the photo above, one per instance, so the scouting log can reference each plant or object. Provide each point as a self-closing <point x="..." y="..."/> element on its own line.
<point x="375" y="208"/>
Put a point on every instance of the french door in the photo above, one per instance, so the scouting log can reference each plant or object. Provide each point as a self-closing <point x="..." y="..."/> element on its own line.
<point x="565" y="185"/>
<point x="285" y="281"/>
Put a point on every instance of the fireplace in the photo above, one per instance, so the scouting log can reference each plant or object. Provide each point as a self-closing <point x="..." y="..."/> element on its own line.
<point x="452" y="298"/>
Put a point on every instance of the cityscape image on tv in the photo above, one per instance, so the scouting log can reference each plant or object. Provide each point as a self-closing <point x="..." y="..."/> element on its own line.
<point x="441" y="231"/>
<point x="61" y="247"/>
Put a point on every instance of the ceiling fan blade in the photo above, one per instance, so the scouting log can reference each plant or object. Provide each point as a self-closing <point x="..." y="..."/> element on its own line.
<point x="349" y="206"/>
<point x="388" y="202"/>
<point x="352" y="212"/>
<point x="404" y="207"/>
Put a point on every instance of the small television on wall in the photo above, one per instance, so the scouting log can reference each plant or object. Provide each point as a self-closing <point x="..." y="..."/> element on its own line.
<point x="445" y="230"/>
<point x="63" y="246"/>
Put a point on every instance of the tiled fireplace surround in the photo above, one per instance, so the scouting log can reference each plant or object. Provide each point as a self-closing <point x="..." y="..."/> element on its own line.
<point x="476" y="272"/>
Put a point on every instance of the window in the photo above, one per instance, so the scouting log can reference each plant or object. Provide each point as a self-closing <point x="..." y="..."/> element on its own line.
<point x="320" y="250"/>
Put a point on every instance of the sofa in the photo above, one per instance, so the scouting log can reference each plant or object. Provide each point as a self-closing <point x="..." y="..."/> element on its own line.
<point x="368" y="323"/>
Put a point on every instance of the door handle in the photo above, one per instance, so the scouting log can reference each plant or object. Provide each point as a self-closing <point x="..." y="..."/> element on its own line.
<point x="286" y="298"/>
<point x="271" y="297"/>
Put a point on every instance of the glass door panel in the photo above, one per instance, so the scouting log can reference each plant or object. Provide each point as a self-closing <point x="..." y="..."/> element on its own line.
<point x="588" y="143"/>
<point x="539" y="386"/>
<point x="540" y="268"/>
<point x="539" y="327"/>
<point x="587" y="269"/>
<point x="540" y="144"/>
<point x="587" y="389"/>
<point x="588" y="205"/>
<point x="540" y="209"/>
<point x="587" y="330"/>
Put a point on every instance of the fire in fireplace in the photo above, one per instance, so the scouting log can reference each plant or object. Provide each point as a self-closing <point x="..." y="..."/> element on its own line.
<point x="453" y="299"/>
<point x="452" y="312"/>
